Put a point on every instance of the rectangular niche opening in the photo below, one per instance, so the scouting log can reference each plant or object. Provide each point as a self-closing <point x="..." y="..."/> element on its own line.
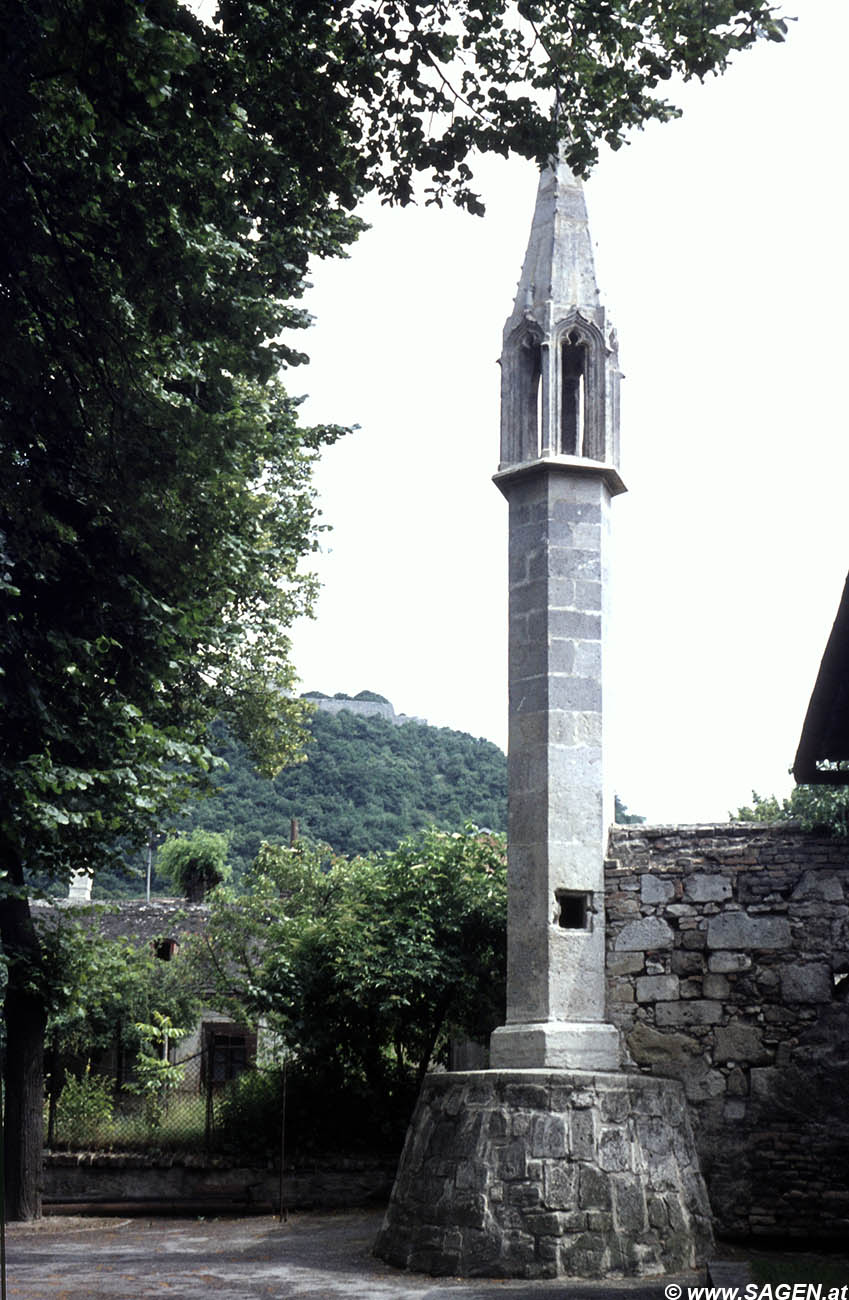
<point x="574" y="909"/>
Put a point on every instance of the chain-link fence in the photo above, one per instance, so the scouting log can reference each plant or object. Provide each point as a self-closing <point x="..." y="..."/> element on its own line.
<point x="222" y="1105"/>
<point x="222" y="1100"/>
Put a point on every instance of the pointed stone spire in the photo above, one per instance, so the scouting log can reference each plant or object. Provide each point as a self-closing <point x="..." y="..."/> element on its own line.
<point x="559" y="364"/>
<point x="558" y="272"/>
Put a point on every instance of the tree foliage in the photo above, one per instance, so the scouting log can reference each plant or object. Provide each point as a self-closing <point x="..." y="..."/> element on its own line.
<point x="100" y="989"/>
<point x="623" y="817"/>
<point x="155" y="1074"/>
<point x="363" y="968"/>
<point x="195" y="863"/>
<point x="366" y="784"/>
<point x="821" y="809"/>
<point x="426" y="84"/>
<point x="97" y="992"/>
<point x="154" y="489"/>
<point x="154" y="484"/>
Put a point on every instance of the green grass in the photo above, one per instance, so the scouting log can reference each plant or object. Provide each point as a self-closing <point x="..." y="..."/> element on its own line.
<point x="182" y="1127"/>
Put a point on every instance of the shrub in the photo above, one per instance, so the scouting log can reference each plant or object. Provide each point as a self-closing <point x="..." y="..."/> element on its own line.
<point x="195" y="863"/>
<point x="85" y="1111"/>
<point x="248" y="1112"/>
<point x="323" y="1115"/>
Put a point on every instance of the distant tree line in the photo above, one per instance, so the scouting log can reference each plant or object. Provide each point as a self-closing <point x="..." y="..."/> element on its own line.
<point x="370" y="697"/>
<point x="366" y="784"/>
<point x="821" y="809"/>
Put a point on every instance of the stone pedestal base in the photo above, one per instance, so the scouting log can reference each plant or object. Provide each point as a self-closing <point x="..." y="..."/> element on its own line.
<point x="555" y="1045"/>
<point x="526" y="1173"/>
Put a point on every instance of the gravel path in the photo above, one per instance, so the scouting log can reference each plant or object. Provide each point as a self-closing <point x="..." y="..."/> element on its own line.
<point x="310" y="1257"/>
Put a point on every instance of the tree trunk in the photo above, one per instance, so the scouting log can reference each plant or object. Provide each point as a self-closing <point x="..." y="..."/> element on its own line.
<point x="438" y="1021"/>
<point x="26" y="1020"/>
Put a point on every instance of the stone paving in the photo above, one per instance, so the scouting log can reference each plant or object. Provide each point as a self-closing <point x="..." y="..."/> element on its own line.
<point x="309" y="1257"/>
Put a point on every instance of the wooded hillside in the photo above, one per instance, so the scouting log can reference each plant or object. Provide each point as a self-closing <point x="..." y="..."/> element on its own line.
<point x="366" y="784"/>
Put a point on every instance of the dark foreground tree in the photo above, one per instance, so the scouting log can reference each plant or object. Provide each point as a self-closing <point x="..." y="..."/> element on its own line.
<point x="165" y="183"/>
<point x="154" y="484"/>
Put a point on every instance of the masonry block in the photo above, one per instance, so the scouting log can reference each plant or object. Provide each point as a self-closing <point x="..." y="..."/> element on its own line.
<point x="696" y="1011"/>
<point x="740" y="930"/>
<point x="738" y="1042"/>
<point x="811" y="982"/>
<point x="729" y="961"/>
<point x="649" y="933"/>
<point x="704" y="888"/>
<point x="654" y="889"/>
<point x="657" y="988"/>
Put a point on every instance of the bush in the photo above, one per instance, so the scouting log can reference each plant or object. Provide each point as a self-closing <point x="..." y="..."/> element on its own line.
<point x="363" y="971"/>
<point x="84" y="1112"/>
<point x="195" y="863"/>
<point x="327" y="1113"/>
<point x="323" y="1116"/>
<point x="248" y="1112"/>
<point x="156" y="1077"/>
<point x="820" y="809"/>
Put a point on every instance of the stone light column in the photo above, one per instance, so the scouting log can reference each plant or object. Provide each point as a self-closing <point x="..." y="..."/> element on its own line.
<point x="559" y="452"/>
<point x="554" y="1162"/>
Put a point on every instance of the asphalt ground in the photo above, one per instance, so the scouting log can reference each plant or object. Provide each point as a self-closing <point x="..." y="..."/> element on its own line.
<point x="308" y="1257"/>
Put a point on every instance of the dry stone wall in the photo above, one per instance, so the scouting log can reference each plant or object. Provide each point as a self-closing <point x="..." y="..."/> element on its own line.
<point x="727" y="961"/>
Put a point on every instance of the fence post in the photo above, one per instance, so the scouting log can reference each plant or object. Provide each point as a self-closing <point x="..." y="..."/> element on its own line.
<point x="52" y="1091"/>
<point x="206" y="1061"/>
<point x="3" y="1182"/>
<point x="284" y="1213"/>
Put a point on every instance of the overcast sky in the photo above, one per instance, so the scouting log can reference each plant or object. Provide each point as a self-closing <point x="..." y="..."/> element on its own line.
<point x="721" y="257"/>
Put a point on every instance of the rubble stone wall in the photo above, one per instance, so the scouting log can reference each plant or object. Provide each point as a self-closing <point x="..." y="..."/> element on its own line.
<point x="727" y="961"/>
<point x="541" y="1174"/>
<point x="116" y="1178"/>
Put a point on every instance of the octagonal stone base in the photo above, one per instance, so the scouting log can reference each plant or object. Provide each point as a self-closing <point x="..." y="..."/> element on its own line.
<point x="555" y="1045"/>
<point x="555" y="1173"/>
